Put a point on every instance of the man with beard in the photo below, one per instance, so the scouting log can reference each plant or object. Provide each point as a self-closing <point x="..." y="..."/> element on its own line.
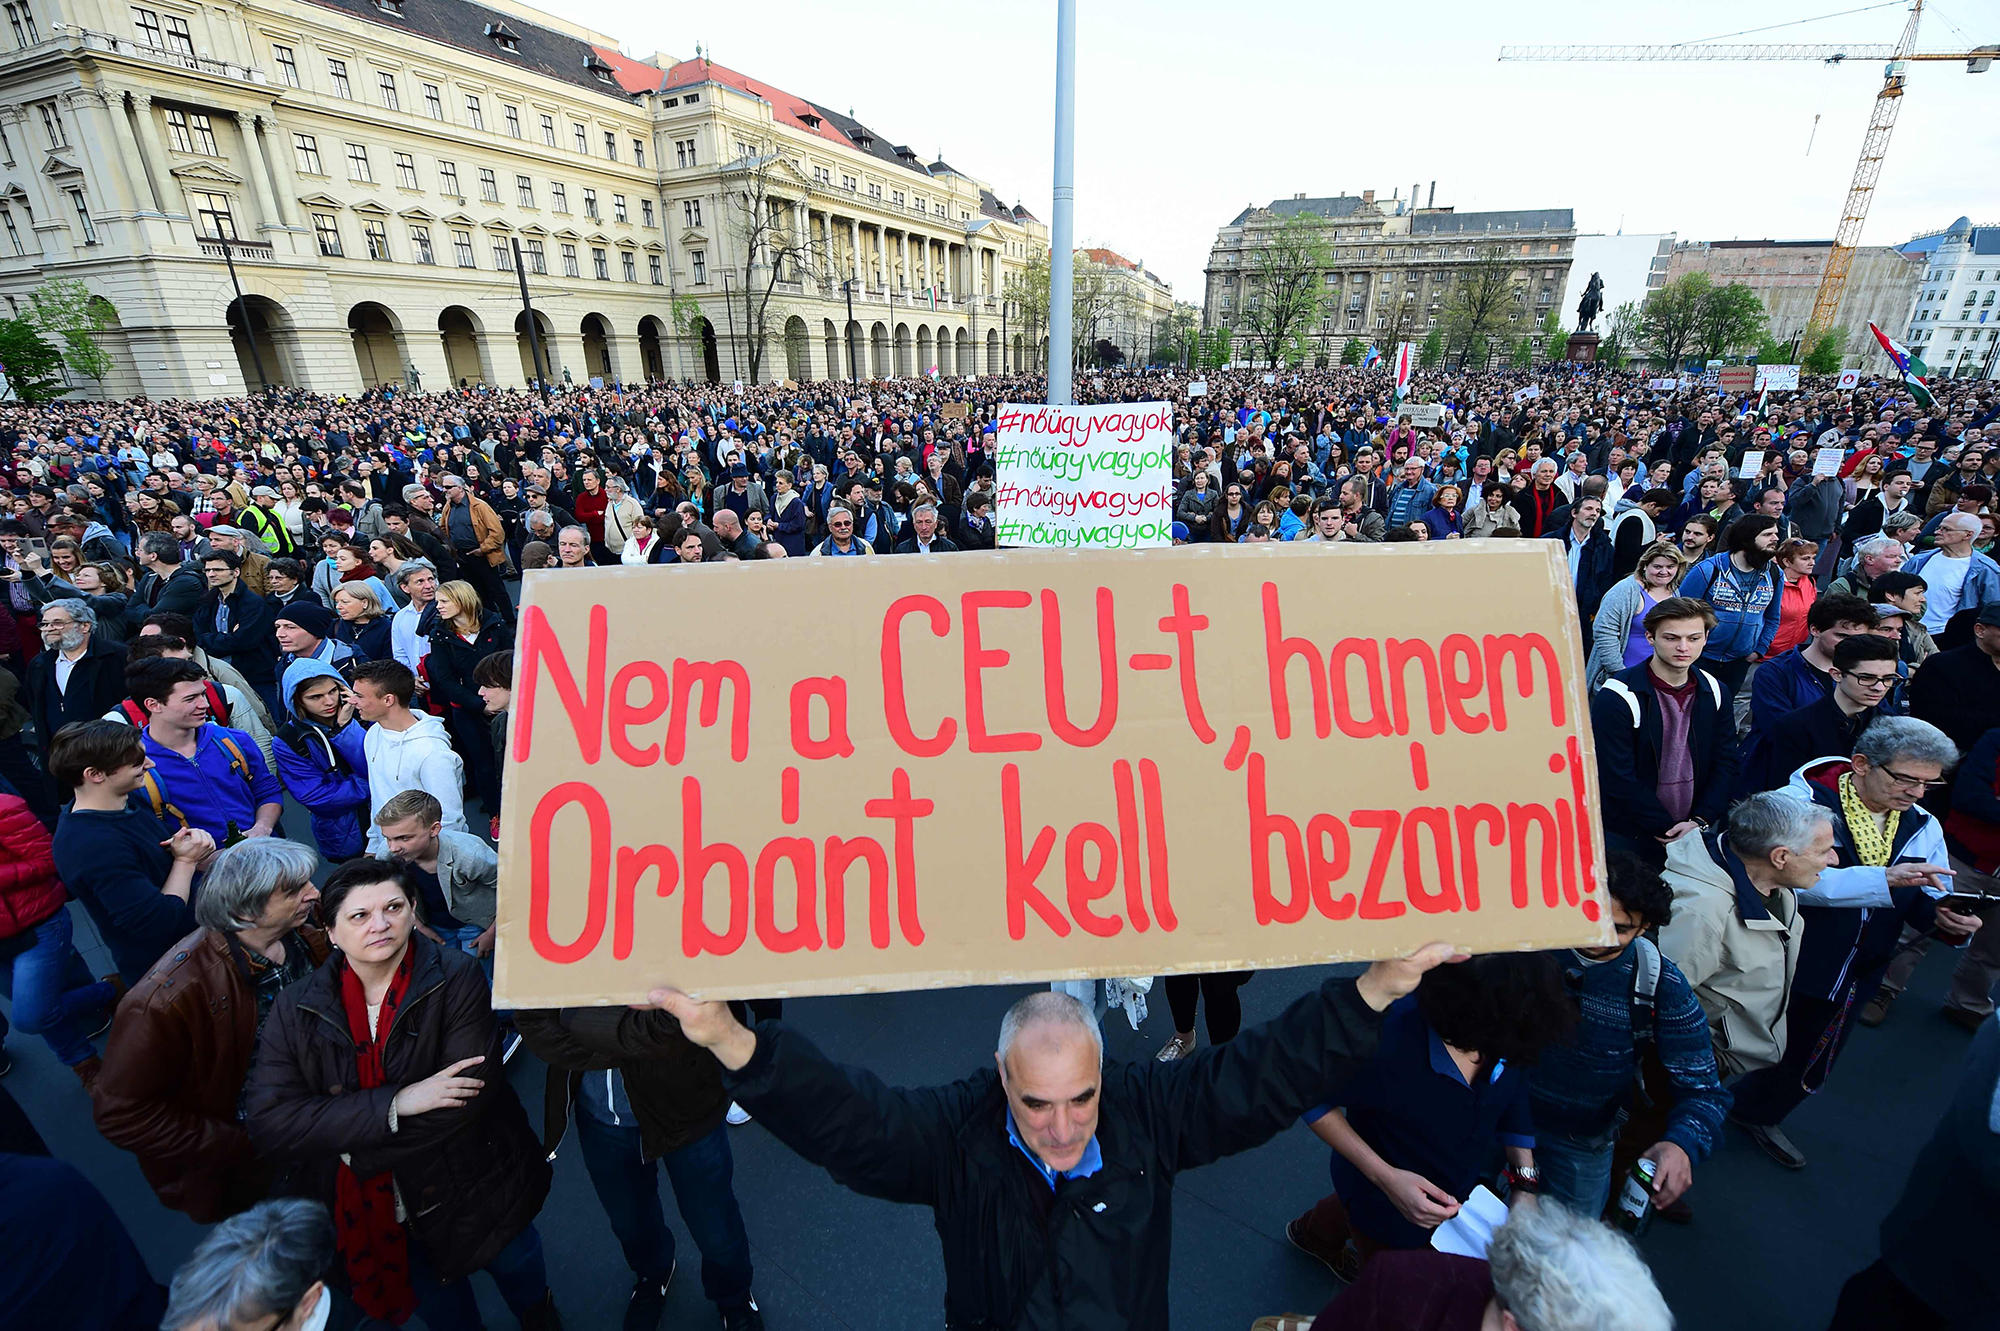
<point x="1743" y="587"/>
<point x="75" y="677"/>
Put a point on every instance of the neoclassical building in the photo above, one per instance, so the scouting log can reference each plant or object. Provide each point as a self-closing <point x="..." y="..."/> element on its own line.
<point x="1140" y="303"/>
<point x="1388" y="253"/>
<point x="371" y="168"/>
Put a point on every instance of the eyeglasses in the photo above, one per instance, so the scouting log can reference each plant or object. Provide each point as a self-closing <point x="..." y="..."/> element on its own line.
<point x="1911" y="782"/>
<point x="1871" y="681"/>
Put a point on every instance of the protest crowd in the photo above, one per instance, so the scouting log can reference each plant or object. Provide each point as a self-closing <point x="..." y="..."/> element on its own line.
<point x="1791" y="615"/>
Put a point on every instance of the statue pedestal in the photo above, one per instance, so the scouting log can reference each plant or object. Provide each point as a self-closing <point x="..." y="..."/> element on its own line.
<point x="1583" y="347"/>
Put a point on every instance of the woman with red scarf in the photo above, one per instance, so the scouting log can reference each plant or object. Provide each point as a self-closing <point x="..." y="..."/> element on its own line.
<point x="379" y="1090"/>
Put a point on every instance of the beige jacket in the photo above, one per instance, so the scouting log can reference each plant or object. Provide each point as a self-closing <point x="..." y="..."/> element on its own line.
<point x="1741" y="970"/>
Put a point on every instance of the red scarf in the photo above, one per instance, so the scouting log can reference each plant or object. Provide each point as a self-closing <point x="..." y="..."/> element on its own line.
<point x="372" y="1243"/>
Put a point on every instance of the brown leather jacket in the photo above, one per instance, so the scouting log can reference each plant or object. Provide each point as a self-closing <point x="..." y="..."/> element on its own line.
<point x="485" y="525"/>
<point x="179" y="1052"/>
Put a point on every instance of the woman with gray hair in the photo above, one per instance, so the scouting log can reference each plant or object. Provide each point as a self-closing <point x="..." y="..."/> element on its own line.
<point x="181" y="1047"/>
<point x="269" y="1263"/>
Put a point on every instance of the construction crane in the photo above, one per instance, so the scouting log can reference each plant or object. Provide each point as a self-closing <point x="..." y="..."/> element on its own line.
<point x="1874" y="144"/>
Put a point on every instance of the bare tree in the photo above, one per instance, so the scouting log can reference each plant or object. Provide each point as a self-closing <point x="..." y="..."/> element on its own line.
<point x="1097" y="300"/>
<point x="1287" y="286"/>
<point x="1481" y="309"/>
<point x="761" y="194"/>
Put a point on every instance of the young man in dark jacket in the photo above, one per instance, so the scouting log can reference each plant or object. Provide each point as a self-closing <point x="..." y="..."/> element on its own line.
<point x="235" y="624"/>
<point x="1864" y="682"/>
<point x="642" y="1096"/>
<point x="1052" y="1176"/>
<point x="1666" y="740"/>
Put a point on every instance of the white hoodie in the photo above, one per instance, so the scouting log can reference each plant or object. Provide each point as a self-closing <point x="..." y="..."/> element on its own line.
<point x="420" y="758"/>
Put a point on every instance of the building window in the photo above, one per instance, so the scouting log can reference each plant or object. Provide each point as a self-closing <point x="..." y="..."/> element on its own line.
<point x="474" y="115"/>
<point x="337" y="70"/>
<point x="489" y="185"/>
<point x="618" y="213"/>
<point x="699" y="259"/>
<point x="896" y="197"/>
<point x="448" y="179"/>
<point x="600" y="263"/>
<point x="569" y="260"/>
<point x="638" y="152"/>
<point x="389" y="97"/>
<point x="611" y="145"/>
<point x="558" y="196"/>
<point x="629" y="262"/>
<point x="684" y="153"/>
<point x="327" y="230"/>
<point x="524" y="190"/>
<point x="461" y="248"/>
<point x="406" y="171"/>
<point x="377" y="232"/>
<point x="645" y="212"/>
<point x="306" y="148"/>
<point x="211" y="215"/>
<point x="590" y="203"/>
<point x="549" y="130"/>
<point x="691" y="212"/>
<point x="13" y="232"/>
<point x="288" y="65"/>
<point x="179" y="39"/>
<point x="420" y="244"/>
<point x="652" y="262"/>
<point x="433" y="101"/>
<point x="191" y="132"/>
<point x="22" y="20"/>
<point x="692" y="98"/>
<point x="52" y="124"/>
<point x="538" y="259"/>
<point x="875" y="191"/>
<point x="582" y="137"/>
<point x="513" y="114"/>
<point x="503" y="254"/>
<point x="357" y="163"/>
<point x="148" y="25"/>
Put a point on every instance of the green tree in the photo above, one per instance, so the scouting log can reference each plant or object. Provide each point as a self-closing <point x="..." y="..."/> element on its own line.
<point x="33" y="365"/>
<point x="1622" y="341"/>
<point x="1770" y="351"/>
<point x="1094" y="300"/>
<point x="1431" y="354"/>
<point x="1731" y="318"/>
<point x="1670" y="320"/>
<point x="1826" y="352"/>
<point x="1555" y="342"/>
<point x="1524" y="353"/>
<point x="64" y="308"/>
<point x="1285" y="289"/>
<point x="1481" y="308"/>
<point x="1352" y="351"/>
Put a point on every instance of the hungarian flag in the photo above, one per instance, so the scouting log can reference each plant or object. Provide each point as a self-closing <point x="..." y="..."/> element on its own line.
<point x="1912" y="369"/>
<point x="1405" y="362"/>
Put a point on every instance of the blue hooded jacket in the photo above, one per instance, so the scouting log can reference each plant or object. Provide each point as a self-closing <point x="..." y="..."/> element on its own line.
<point x="325" y="770"/>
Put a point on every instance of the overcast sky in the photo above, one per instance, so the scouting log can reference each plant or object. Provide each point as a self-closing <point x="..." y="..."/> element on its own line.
<point x="1186" y="112"/>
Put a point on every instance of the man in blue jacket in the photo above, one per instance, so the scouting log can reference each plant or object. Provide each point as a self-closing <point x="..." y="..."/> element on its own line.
<point x="1666" y="744"/>
<point x="322" y="758"/>
<point x="1744" y="588"/>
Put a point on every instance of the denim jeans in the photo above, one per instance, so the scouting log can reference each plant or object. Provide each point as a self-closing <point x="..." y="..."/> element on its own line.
<point x="53" y="992"/>
<point x="463" y="938"/>
<point x="519" y="1270"/>
<point x="628" y="1188"/>
<point x="1576" y="1171"/>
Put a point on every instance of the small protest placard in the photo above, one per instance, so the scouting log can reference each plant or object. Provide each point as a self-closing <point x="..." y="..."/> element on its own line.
<point x="1826" y="461"/>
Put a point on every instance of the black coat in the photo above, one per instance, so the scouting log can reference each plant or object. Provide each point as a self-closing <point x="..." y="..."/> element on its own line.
<point x="1817" y="730"/>
<point x="472" y="1177"/>
<point x="675" y="1085"/>
<point x="1957" y="690"/>
<point x="178" y="593"/>
<point x="249" y="644"/>
<point x="1593" y="567"/>
<point x="452" y="659"/>
<point x="1625" y="718"/>
<point x="96" y="685"/>
<point x="1093" y="1253"/>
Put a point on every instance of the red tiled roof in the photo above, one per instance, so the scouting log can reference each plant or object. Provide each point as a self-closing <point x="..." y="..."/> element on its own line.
<point x="787" y="108"/>
<point x="1109" y="259"/>
<point x="632" y="75"/>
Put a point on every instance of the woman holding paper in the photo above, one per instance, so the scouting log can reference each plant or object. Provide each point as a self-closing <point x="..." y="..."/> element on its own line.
<point x="1418" y="1122"/>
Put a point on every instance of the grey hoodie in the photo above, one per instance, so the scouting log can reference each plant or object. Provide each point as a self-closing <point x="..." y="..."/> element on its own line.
<point x="420" y="758"/>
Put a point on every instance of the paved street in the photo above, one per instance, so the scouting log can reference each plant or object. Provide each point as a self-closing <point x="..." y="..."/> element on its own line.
<point x="1768" y="1251"/>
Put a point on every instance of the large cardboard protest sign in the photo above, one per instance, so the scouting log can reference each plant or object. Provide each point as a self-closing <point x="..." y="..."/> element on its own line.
<point x="1084" y="478"/>
<point x="1029" y="765"/>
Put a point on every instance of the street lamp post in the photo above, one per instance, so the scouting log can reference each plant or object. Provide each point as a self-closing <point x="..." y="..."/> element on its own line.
<point x="534" y="330"/>
<point x="243" y="310"/>
<point x="848" y="287"/>
<point x="1062" y="214"/>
